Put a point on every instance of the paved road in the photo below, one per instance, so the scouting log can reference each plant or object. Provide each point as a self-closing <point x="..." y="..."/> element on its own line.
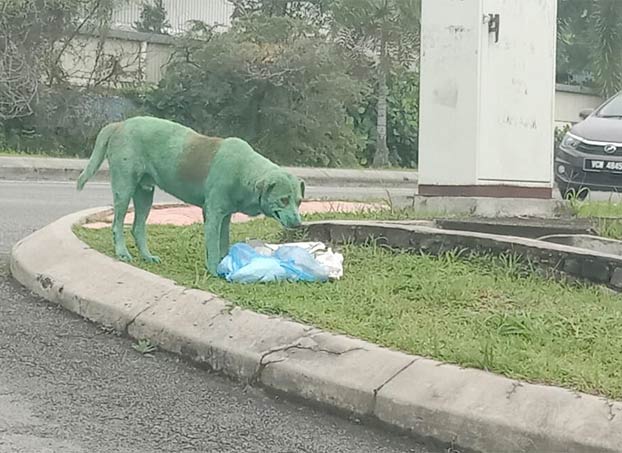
<point x="66" y="386"/>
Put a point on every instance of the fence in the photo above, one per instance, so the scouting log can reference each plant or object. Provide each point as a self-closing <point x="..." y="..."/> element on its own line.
<point x="179" y="12"/>
<point x="141" y="57"/>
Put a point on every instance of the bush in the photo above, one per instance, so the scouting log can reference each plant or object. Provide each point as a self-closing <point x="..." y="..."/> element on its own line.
<point x="66" y="122"/>
<point x="272" y="81"/>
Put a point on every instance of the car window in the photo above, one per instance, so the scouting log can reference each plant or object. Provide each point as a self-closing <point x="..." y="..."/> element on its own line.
<point x="613" y="108"/>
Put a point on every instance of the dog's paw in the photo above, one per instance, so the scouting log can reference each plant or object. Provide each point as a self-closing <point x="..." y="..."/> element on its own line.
<point x="152" y="259"/>
<point x="125" y="257"/>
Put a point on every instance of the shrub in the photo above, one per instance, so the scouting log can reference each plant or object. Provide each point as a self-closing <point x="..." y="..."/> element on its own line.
<point x="272" y="81"/>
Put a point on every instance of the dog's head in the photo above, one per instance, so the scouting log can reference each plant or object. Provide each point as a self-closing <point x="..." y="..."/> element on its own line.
<point x="280" y="195"/>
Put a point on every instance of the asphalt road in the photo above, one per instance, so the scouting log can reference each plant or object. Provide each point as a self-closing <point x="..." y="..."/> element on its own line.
<point x="67" y="386"/>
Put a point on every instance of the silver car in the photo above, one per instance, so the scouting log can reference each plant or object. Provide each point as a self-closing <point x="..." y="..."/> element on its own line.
<point x="589" y="156"/>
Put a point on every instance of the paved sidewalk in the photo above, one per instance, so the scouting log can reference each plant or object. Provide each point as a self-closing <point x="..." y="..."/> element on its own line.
<point x="20" y="168"/>
<point x="188" y="215"/>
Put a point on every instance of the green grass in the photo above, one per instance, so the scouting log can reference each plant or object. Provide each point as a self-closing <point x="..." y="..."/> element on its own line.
<point x="476" y="311"/>
<point x="597" y="209"/>
<point x="606" y="216"/>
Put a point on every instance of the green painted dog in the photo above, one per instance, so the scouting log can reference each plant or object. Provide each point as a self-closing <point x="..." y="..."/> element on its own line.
<point x="222" y="176"/>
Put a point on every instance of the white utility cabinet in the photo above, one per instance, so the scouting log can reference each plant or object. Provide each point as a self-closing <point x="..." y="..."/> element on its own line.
<point x="487" y="97"/>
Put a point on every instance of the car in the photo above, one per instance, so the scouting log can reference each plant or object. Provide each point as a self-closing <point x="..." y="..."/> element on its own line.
<point x="589" y="157"/>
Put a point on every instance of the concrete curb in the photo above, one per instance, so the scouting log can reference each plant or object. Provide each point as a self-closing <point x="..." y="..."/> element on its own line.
<point x="46" y="169"/>
<point x="582" y="263"/>
<point x="492" y="207"/>
<point x="469" y="408"/>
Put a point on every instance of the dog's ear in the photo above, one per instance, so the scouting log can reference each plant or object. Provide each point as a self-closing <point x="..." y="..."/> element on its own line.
<point x="302" y="188"/>
<point x="264" y="186"/>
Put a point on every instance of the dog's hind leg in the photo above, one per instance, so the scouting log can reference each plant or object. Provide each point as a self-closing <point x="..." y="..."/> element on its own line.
<point x="121" y="198"/>
<point x="143" y="199"/>
<point x="124" y="181"/>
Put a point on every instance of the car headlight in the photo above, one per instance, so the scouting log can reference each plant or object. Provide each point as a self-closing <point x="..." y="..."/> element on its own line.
<point x="570" y="141"/>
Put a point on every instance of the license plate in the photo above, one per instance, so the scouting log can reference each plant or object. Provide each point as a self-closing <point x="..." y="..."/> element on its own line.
<point x="602" y="165"/>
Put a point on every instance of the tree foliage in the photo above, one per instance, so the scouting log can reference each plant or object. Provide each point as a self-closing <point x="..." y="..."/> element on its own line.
<point x="573" y="49"/>
<point x="39" y="105"/>
<point x="153" y="18"/>
<point x="315" y="12"/>
<point x="606" y="20"/>
<point x="589" y="47"/>
<point x="402" y="120"/>
<point x="277" y="83"/>
<point x="389" y="30"/>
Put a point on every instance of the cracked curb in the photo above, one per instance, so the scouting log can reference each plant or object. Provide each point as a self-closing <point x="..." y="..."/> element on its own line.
<point x="19" y="168"/>
<point x="469" y="408"/>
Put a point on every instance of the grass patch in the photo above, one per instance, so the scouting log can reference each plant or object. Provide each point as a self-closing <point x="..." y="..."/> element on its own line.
<point x="606" y="216"/>
<point x="476" y="311"/>
<point x="598" y="209"/>
<point x="384" y="214"/>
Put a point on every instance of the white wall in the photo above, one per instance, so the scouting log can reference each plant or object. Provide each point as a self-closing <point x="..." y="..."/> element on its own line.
<point x="179" y="12"/>
<point x="569" y="101"/>
<point x="142" y="57"/>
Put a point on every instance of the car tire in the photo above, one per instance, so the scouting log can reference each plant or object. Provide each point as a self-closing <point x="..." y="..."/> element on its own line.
<point x="568" y="192"/>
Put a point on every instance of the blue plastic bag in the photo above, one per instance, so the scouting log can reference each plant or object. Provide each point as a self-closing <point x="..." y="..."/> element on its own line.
<point x="244" y="265"/>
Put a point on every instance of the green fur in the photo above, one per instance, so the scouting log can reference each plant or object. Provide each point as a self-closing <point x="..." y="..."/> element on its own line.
<point x="222" y="176"/>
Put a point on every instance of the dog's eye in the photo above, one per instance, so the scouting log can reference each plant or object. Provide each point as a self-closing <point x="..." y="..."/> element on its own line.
<point x="284" y="201"/>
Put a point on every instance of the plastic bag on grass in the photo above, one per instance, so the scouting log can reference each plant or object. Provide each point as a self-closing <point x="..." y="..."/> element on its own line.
<point x="243" y="264"/>
<point x="331" y="261"/>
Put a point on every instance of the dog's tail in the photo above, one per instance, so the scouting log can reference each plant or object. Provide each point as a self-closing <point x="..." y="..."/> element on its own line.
<point x="98" y="156"/>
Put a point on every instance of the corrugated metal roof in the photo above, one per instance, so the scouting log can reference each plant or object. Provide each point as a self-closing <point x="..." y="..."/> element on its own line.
<point x="212" y="12"/>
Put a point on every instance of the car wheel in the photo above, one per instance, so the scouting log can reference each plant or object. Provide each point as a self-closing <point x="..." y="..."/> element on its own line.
<point x="571" y="192"/>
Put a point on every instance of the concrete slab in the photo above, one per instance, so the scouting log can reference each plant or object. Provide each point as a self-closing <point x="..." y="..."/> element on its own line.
<point x="491" y="207"/>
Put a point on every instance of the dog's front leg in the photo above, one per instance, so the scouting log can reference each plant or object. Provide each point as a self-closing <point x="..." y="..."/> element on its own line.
<point x="224" y="236"/>
<point x="213" y="232"/>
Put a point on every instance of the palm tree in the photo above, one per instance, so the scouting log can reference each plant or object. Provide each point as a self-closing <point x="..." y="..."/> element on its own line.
<point x="606" y="43"/>
<point x="590" y="42"/>
<point x="388" y="29"/>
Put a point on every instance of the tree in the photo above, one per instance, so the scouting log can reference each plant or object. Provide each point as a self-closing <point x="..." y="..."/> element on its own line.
<point x="606" y="21"/>
<point x="313" y="12"/>
<point x="402" y="119"/>
<point x="153" y="18"/>
<point x="20" y="71"/>
<point x="573" y="47"/>
<point x="277" y="83"/>
<point x="390" y="30"/>
<point x="589" y="47"/>
<point x="45" y="46"/>
<point x="35" y="38"/>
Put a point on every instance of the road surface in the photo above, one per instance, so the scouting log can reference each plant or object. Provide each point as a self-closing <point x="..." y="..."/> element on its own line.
<point x="67" y="386"/>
